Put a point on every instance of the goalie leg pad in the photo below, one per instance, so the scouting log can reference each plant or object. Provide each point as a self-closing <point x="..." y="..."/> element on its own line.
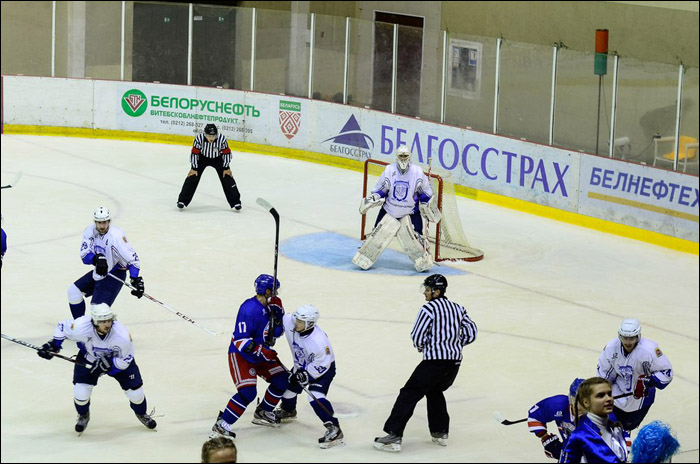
<point x="412" y="246"/>
<point x="376" y="243"/>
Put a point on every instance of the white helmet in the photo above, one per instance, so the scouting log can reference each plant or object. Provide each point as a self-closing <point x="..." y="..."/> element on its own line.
<point x="102" y="214"/>
<point x="307" y="313"/>
<point x="630" y="328"/>
<point x="101" y="312"/>
<point x="403" y="158"/>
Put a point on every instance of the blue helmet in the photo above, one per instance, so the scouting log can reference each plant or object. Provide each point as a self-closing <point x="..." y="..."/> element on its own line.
<point x="264" y="282"/>
<point x="574" y="386"/>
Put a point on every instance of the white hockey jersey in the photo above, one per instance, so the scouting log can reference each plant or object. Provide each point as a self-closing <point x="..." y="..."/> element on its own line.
<point x="113" y="245"/>
<point x="403" y="190"/>
<point x="117" y="345"/>
<point x="312" y="352"/>
<point x="623" y="371"/>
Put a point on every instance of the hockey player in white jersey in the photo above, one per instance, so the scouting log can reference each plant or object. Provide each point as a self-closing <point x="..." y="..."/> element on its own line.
<point x="314" y="368"/>
<point x="634" y="365"/>
<point x="105" y="247"/>
<point x="405" y="193"/>
<point x="106" y="345"/>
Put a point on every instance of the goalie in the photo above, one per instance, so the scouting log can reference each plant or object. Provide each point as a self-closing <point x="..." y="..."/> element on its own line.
<point x="405" y="193"/>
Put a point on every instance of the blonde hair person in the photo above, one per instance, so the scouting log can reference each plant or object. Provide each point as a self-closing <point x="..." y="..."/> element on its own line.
<point x="219" y="449"/>
<point x="598" y="436"/>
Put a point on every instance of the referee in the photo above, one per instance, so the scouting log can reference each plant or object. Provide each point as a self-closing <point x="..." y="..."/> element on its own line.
<point x="210" y="149"/>
<point x="441" y="330"/>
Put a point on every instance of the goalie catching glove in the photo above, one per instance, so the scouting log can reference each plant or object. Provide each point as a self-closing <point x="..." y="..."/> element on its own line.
<point x="430" y="211"/>
<point x="552" y="446"/>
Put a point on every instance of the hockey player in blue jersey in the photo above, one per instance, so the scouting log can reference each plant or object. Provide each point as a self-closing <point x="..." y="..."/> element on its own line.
<point x="558" y="409"/>
<point x="105" y="247"/>
<point x="250" y="356"/>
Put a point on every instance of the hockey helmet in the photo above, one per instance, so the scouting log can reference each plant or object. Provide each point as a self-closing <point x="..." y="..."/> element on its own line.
<point x="403" y="158"/>
<point x="265" y="282"/>
<point x="210" y="129"/>
<point x="101" y="214"/>
<point x="307" y="313"/>
<point x="574" y="387"/>
<point x="101" y="312"/>
<point x="436" y="282"/>
<point x="630" y="328"/>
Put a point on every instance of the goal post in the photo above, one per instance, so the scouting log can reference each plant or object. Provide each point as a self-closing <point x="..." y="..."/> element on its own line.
<point x="447" y="239"/>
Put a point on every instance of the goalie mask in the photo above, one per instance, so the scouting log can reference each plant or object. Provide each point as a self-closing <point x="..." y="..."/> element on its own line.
<point x="308" y="314"/>
<point x="403" y="158"/>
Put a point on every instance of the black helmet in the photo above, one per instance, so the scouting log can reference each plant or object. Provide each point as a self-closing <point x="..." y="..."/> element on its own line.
<point x="210" y="129"/>
<point x="436" y="282"/>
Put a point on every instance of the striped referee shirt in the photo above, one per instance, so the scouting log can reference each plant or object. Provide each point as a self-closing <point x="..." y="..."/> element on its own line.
<point x="201" y="146"/>
<point x="442" y="329"/>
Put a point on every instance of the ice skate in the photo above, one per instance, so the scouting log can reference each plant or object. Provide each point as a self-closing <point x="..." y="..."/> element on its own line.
<point x="222" y="428"/>
<point x="82" y="423"/>
<point x="333" y="436"/>
<point x="285" y="416"/>
<point x="147" y="420"/>
<point x="439" y="438"/>
<point x="266" y="418"/>
<point x="390" y="442"/>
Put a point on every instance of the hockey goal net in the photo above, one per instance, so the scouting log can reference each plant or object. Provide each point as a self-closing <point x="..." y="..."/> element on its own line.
<point x="447" y="239"/>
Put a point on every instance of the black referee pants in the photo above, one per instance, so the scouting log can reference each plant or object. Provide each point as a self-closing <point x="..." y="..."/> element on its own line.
<point x="228" y="183"/>
<point x="429" y="379"/>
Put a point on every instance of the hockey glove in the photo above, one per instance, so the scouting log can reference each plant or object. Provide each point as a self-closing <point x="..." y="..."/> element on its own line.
<point x="52" y="346"/>
<point x="100" y="263"/>
<point x="299" y="376"/>
<point x="643" y="386"/>
<point x="265" y="353"/>
<point x="101" y="366"/>
<point x="139" y="288"/>
<point x="276" y="309"/>
<point x="552" y="446"/>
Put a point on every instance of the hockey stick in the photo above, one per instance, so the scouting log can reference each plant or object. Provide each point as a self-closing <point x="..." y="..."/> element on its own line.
<point x="14" y="182"/>
<point x="499" y="417"/>
<point x="271" y="333"/>
<point x="177" y="313"/>
<point x="426" y="228"/>
<point x="307" y="391"/>
<point x="55" y="355"/>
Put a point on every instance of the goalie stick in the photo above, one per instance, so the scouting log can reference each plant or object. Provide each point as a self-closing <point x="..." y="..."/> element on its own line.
<point x="177" y="313"/>
<point x="499" y="417"/>
<point x="265" y="204"/>
<point x="38" y="348"/>
<point x="14" y="182"/>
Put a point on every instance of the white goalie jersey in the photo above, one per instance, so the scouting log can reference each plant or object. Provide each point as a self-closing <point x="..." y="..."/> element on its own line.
<point x="402" y="191"/>
<point x="312" y="352"/>
<point x="117" y="345"/>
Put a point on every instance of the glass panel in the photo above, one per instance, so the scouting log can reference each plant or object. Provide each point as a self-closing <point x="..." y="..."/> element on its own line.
<point x="576" y="110"/>
<point x="689" y="119"/>
<point x="214" y="34"/>
<point x="26" y="38"/>
<point x="103" y="33"/>
<point x="360" y="67"/>
<point x="282" y="51"/>
<point x="409" y="67"/>
<point x="382" y="65"/>
<point x="471" y="73"/>
<point x="430" y="76"/>
<point x="160" y="43"/>
<point x="329" y="56"/>
<point x="646" y="105"/>
<point x="525" y="91"/>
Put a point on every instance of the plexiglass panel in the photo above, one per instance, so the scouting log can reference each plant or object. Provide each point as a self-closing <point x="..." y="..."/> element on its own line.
<point x="26" y="38"/>
<point x="689" y="119"/>
<point x="329" y="58"/>
<point x="646" y="105"/>
<point x="214" y="37"/>
<point x="471" y="71"/>
<point x="577" y="96"/>
<point x="360" y="68"/>
<point x="525" y="91"/>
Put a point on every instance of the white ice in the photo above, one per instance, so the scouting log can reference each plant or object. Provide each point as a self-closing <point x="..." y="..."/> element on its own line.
<point x="546" y="299"/>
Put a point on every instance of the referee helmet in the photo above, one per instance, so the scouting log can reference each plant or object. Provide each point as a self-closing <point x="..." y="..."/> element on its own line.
<point x="436" y="282"/>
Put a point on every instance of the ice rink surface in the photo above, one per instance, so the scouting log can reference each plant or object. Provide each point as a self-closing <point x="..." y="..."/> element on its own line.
<point x="546" y="299"/>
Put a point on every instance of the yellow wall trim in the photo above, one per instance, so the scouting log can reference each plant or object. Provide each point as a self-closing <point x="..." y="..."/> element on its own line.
<point x="622" y="230"/>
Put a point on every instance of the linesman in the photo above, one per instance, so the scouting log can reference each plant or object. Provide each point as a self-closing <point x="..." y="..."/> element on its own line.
<point x="441" y="330"/>
<point x="210" y="149"/>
